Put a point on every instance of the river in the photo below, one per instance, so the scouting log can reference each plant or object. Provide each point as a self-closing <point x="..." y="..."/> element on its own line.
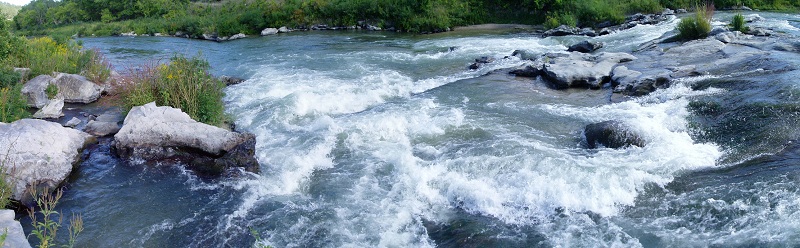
<point x="382" y="139"/>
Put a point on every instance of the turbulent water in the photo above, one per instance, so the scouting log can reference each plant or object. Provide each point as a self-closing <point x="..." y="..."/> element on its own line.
<point x="380" y="139"/>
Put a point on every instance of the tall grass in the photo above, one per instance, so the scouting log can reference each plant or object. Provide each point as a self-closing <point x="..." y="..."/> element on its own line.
<point x="738" y="23"/>
<point x="12" y="103"/>
<point x="47" y="221"/>
<point x="697" y="26"/>
<point x="182" y="83"/>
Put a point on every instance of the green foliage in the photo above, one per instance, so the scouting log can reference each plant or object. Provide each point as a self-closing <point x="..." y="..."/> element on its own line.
<point x="12" y="103"/>
<point x="183" y="83"/>
<point x="738" y="23"/>
<point x="697" y="26"/>
<point x="45" y="56"/>
<point x="106" y="16"/>
<point x="559" y="19"/>
<point x="47" y="220"/>
<point x="8" y="11"/>
<point x="51" y="91"/>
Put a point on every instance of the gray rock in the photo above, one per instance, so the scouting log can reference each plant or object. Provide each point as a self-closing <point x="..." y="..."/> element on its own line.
<point x="753" y="18"/>
<point x="522" y="54"/>
<point x="15" y="236"/>
<point x="585" y="47"/>
<point x="76" y="88"/>
<point x="151" y="133"/>
<point x="74" y="122"/>
<point x="746" y="8"/>
<point x="237" y="36"/>
<point x="104" y="125"/>
<point x="611" y="134"/>
<point x="621" y="75"/>
<point x="211" y="37"/>
<point x="34" y="91"/>
<point x="562" y="30"/>
<point x="284" y="30"/>
<point x="696" y="49"/>
<point x="373" y="28"/>
<point x="51" y="111"/>
<point x="728" y="37"/>
<point x="228" y="80"/>
<point x="39" y="153"/>
<point x="718" y="30"/>
<point x="578" y="69"/>
<point x="668" y="11"/>
<point x="681" y="11"/>
<point x="269" y="31"/>
<point x="527" y="71"/>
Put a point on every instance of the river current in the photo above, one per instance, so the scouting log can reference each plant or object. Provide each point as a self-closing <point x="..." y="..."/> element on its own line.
<point x="382" y="139"/>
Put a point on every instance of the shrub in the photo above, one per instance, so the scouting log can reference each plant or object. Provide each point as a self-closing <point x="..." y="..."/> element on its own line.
<point x="45" y="56"/>
<point x="697" y="26"/>
<point x="561" y="19"/>
<point x="738" y="23"/>
<point x="183" y="83"/>
<point x="12" y="103"/>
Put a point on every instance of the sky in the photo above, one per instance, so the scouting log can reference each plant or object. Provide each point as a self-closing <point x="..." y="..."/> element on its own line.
<point x="17" y="2"/>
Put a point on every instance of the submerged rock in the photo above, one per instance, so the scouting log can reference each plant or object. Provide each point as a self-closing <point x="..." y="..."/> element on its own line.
<point x="154" y="133"/>
<point x="76" y="88"/>
<point x="34" y="91"/>
<point x="611" y="134"/>
<point x="585" y="47"/>
<point x="39" y="153"/>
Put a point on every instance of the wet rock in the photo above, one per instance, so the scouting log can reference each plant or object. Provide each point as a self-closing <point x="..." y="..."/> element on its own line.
<point x="562" y="30"/>
<point x="228" y="80"/>
<point x="76" y="88"/>
<point x="39" y="153"/>
<point x="585" y="47"/>
<point x="611" y="134"/>
<point x="527" y="71"/>
<point x="480" y="61"/>
<point x="698" y="49"/>
<point x="284" y="29"/>
<point x="104" y="125"/>
<point x="681" y="11"/>
<point x="524" y="55"/>
<point x="34" y="91"/>
<point x="72" y="123"/>
<point x="269" y="31"/>
<point x="15" y="236"/>
<point x="237" y="36"/>
<point x="582" y="70"/>
<point x="154" y="133"/>
<point x="753" y="18"/>
<point x="51" y="111"/>
<point x="759" y="32"/>
<point x="587" y="32"/>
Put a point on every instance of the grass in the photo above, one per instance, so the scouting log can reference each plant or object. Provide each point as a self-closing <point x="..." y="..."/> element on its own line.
<point x="697" y="26"/>
<point x="45" y="56"/>
<point x="182" y="83"/>
<point x="738" y="23"/>
<point x="47" y="221"/>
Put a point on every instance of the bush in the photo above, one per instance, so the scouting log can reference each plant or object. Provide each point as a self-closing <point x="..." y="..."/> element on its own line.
<point x="183" y="83"/>
<point x="45" y="56"/>
<point x="738" y="23"/>
<point x="697" y="26"/>
<point x="12" y="103"/>
<point x="561" y="19"/>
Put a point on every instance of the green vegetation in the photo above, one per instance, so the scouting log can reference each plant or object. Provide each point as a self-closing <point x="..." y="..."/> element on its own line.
<point x="183" y="83"/>
<point x="47" y="220"/>
<point x="697" y="26"/>
<point x="8" y="11"/>
<point x="738" y="23"/>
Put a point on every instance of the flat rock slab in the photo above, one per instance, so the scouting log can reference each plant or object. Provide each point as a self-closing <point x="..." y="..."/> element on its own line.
<point x="39" y="153"/>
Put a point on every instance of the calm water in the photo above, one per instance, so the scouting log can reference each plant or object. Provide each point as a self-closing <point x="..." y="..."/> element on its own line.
<point x="384" y="139"/>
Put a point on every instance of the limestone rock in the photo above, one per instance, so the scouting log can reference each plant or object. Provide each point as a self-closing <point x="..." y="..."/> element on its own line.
<point x="151" y="133"/>
<point x="269" y="31"/>
<point x="51" y="111"/>
<point x="76" y="88"/>
<point x="39" y="153"/>
<point x="34" y="91"/>
<point x="580" y="69"/>
<point x="611" y="134"/>
<point x="15" y="236"/>
<point x="74" y="122"/>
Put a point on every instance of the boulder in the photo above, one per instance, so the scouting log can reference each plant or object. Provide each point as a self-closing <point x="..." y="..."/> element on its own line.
<point x="562" y="30"/>
<point x="76" y="88"/>
<point x="15" y="236"/>
<point x="759" y="32"/>
<point x="585" y="47"/>
<point x="237" y="36"/>
<point x="753" y="18"/>
<point x="527" y="71"/>
<point x="579" y="69"/>
<point x="34" y="91"/>
<point x="269" y="31"/>
<point x="522" y="54"/>
<point x="74" y="122"/>
<point x="39" y="153"/>
<point x="611" y="134"/>
<point x="51" y="111"/>
<point x="151" y="133"/>
<point x="284" y="29"/>
<point x="681" y="11"/>
<point x="104" y="125"/>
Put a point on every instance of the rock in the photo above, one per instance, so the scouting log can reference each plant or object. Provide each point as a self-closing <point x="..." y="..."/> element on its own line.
<point x="211" y="37"/>
<point x="718" y="30"/>
<point x="587" y="32"/>
<point x="372" y="28"/>
<point x="23" y="72"/>
<point x="74" y="122"/>
<point x="128" y="34"/>
<point x="39" y="153"/>
<point x="51" y="111"/>
<point x="585" y="47"/>
<point x="104" y="125"/>
<point x="605" y="31"/>
<point x="580" y="69"/>
<point x="621" y="75"/>
<point x="484" y="60"/>
<point x="237" y="36"/>
<point x="759" y="32"/>
<point x="746" y="8"/>
<point x="284" y="29"/>
<point x="474" y="66"/>
<point x="77" y="89"/>
<point x="604" y="24"/>
<point x="681" y="11"/>
<point x="562" y="30"/>
<point x="696" y="49"/>
<point x="152" y="133"/>
<point x="753" y="18"/>
<point x="728" y="37"/>
<point x="269" y="31"/>
<point x="668" y="11"/>
<point x="527" y="71"/>
<point x="524" y="55"/>
<point x="34" y="91"/>
<point x="611" y="134"/>
<point x="15" y="236"/>
<point x="228" y="80"/>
